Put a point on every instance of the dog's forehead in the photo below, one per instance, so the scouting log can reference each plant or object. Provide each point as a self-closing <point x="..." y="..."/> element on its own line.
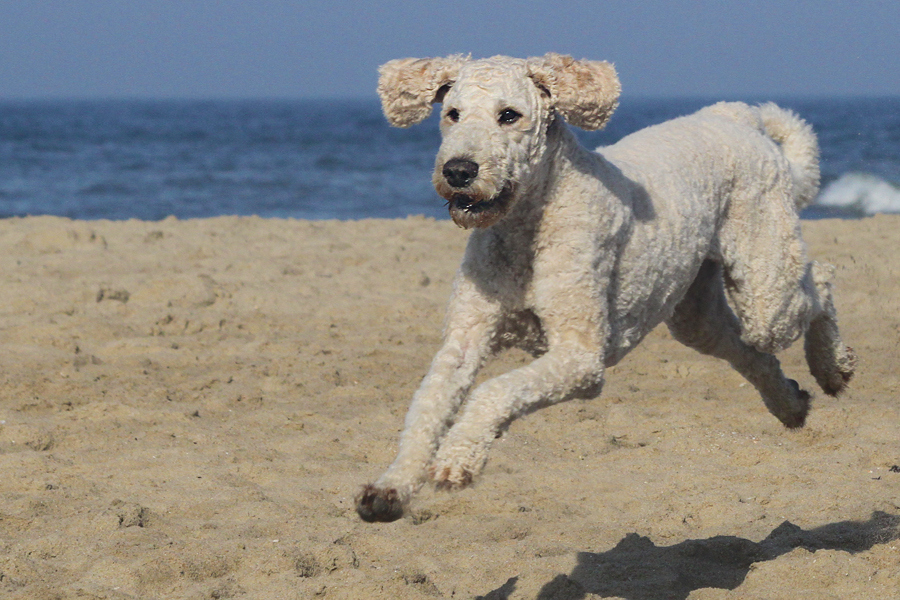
<point x="497" y="77"/>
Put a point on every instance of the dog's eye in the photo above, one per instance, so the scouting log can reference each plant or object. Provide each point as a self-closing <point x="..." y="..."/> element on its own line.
<point x="509" y="116"/>
<point x="453" y="115"/>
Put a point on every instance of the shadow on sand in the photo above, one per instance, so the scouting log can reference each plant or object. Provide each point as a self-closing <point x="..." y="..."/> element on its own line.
<point x="637" y="569"/>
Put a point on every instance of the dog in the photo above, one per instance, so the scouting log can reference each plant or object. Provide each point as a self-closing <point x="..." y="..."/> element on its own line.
<point x="576" y="255"/>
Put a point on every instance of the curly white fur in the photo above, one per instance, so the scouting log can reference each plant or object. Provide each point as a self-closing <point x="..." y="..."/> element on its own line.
<point x="577" y="255"/>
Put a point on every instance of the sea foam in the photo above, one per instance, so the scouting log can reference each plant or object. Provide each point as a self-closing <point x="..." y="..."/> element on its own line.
<point x="862" y="194"/>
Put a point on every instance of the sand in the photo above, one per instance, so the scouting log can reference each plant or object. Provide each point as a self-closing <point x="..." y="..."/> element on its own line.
<point x="187" y="409"/>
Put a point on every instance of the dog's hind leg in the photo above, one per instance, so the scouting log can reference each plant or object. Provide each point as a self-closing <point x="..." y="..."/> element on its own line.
<point x="830" y="361"/>
<point x="777" y="294"/>
<point x="704" y="321"/>
<point x="767" y="277"/>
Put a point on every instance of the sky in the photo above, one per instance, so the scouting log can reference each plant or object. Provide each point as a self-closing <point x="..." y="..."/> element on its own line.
<point x="332" y="49"/>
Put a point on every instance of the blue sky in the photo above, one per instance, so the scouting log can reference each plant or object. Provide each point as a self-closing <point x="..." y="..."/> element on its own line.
<point x="314" y="49"/>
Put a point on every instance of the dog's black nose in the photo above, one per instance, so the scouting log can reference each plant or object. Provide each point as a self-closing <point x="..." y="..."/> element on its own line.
<point x="460" y="172"/>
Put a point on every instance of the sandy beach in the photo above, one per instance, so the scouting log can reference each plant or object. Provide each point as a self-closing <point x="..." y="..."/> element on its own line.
<point x="187" y="409"/>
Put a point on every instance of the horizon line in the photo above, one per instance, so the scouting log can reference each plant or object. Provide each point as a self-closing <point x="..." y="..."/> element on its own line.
<point x="373" y="97"/>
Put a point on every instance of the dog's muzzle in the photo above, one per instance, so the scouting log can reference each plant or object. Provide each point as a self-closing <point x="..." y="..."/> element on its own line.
<point x="468" y="211"/>
<point x="468" y="207"/>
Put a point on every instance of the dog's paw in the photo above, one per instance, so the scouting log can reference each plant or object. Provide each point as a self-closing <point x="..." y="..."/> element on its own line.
<point x="456" y="464"/>
<point x="451" y="478"/>
<point x="375" y="504"/>
<point x="796" y="417"/>
<point x="834" y="380"/>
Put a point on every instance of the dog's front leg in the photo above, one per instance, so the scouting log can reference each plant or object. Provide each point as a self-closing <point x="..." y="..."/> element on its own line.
<point x="572" y="306"/>
<point x="564" y="372"/>
<point x="471" y="323"/>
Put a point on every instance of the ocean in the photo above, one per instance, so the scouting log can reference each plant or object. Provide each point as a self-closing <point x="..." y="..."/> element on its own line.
<point x="336" y="159"/>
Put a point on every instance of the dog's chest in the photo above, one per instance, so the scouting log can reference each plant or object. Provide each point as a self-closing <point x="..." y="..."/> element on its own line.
<point x="502" y="267"/>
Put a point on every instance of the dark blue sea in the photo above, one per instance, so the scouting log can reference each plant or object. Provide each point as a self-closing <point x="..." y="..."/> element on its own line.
<point x="335" y="159"/>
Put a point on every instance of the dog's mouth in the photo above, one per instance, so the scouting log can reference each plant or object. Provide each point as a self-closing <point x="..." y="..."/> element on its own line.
<point x="469" y="211"/>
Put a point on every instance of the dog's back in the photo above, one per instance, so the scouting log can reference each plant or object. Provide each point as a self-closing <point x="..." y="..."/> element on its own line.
<point x="729" y="139"/>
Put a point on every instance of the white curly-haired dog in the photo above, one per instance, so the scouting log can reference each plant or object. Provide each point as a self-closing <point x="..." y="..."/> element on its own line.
<point x="576" y="255"/>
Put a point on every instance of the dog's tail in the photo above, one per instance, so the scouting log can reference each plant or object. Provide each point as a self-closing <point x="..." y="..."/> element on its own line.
<point x="801" y="148"/>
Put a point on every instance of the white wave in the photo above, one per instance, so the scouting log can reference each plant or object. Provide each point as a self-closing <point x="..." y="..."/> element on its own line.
<point x="862" y="193"/>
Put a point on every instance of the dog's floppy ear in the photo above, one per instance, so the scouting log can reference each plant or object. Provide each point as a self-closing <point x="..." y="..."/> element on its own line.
<point x="585" y="92"/>
<point x="409" y="86"/>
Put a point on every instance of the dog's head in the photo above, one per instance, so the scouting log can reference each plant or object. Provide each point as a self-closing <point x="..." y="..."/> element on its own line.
<point x="495" y="118"/>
